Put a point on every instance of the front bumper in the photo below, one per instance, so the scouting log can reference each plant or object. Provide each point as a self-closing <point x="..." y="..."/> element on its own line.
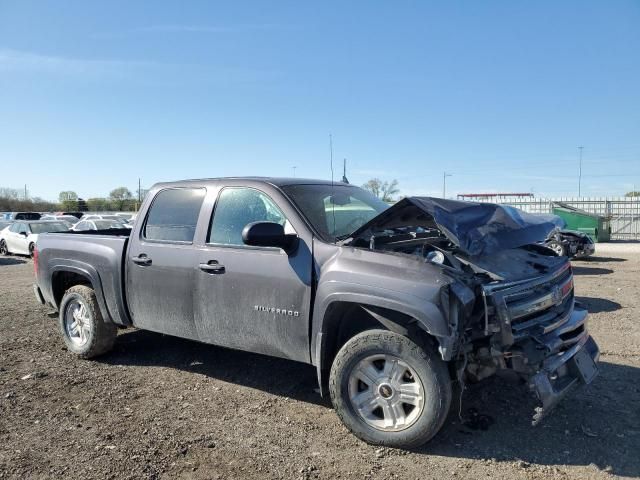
<point x="587" y="249"/>
<point x="574" y="363"/>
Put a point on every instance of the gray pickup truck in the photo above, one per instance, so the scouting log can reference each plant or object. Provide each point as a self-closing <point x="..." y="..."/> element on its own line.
<point x="392" y="305"/>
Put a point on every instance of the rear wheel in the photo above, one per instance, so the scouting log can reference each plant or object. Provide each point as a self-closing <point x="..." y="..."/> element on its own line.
<point x="3" y="248"/>
<point x="388" y="390"/>
<point x="83" y="329"/>
<point x="31" y="248"/>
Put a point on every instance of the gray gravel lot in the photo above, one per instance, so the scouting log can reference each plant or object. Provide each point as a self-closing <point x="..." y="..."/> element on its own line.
<point x="161" y="407"/>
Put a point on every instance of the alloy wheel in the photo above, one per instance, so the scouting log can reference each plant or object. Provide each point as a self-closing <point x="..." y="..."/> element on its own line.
<point x="386" y="392"/>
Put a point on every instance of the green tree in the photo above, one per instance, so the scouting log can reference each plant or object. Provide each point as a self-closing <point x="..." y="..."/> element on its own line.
<point x="120" y="198"/>
<point x="97" y="204"/>
<point x="383" y="190"/>
<point x="68" y="200"/>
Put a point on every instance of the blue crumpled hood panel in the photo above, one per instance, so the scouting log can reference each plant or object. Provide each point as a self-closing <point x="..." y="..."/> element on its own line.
<point x="476" y="228"/>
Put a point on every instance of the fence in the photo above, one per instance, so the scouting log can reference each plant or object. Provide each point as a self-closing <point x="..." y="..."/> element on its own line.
<point x="623" y="212"/>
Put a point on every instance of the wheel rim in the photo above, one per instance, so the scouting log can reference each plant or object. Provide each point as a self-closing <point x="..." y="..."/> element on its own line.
<point x="386" y="392"/>
<point x="556" y="247"/>
<point x="3" y="248"/>
<point x="77" y="322"/>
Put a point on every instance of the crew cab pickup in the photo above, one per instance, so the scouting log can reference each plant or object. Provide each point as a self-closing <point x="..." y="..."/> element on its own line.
<point x="391" y="304"/>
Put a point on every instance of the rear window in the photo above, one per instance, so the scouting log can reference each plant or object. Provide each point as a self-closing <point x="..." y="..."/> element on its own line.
<point x="174" y="215"/>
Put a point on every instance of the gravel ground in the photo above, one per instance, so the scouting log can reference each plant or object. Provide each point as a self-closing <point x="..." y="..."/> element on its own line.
<point x="161" y="407"/>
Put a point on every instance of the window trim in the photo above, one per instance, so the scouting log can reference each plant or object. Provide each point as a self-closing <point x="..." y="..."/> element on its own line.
<point x="207" y="243"/>
<point x="143" y="227"/>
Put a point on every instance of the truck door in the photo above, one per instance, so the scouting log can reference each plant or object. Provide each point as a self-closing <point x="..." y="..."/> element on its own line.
<point x="252" y="298"/>
<point x="159" y="264"/>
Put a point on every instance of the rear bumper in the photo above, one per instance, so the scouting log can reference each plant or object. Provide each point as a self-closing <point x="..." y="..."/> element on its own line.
<point x="574" y="365"/>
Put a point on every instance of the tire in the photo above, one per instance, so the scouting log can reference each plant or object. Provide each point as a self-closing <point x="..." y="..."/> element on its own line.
<point x="3" y="248"/>
<point x="91" y="336"/>
<point x="403" y="425"/>
<point x="31" y="248"/>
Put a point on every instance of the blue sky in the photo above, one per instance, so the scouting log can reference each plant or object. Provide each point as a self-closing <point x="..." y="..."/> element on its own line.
<point x="94" y="95"/>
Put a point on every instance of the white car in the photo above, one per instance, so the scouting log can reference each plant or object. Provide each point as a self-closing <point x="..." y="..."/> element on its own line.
<point x="21" y="236"/>
<point x="98" y="224"/>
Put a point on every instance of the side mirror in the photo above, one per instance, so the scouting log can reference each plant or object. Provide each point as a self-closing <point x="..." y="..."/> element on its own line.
<point x="24" y="234"/>
<point x="269" y="234"/>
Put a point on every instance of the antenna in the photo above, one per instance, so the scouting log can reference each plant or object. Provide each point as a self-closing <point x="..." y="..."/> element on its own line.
<point x="333" y="205"/>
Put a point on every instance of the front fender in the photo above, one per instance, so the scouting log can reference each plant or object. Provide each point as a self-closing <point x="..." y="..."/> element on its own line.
<point x="427" y="314"/>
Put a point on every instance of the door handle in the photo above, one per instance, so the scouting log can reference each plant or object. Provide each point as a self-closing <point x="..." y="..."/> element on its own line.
<point x="212" y="267"/>
<point x="141" y="260"/>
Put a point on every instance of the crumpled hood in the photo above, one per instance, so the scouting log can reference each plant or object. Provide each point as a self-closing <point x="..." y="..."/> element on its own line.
<point x="476" y="228"/>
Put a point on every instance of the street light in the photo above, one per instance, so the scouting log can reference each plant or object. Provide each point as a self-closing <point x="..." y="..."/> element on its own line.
<point x="444" y="183"/>
<point x="580" y="172"/>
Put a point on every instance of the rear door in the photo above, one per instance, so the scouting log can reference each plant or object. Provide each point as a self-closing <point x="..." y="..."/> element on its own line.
<point x="252" y="298"/>
<point x="160" y="264"/>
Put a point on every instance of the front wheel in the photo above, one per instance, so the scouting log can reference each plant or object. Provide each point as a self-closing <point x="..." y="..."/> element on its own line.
<point x="389" y="391"/>
<point x="83" y="329"/>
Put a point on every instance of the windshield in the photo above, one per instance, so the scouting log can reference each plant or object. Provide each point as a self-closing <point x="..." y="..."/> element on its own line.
<point x="48" y="227"/>
<point x="335" y="211"/>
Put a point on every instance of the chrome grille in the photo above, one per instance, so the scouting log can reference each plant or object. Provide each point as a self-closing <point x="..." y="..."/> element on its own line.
<point x="535" y="307"/>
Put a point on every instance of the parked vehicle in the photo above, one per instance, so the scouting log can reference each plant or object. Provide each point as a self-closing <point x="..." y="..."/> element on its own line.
<point x="21" y="236"/>
<point x="390" y="304"/>
<point x="70" y="220"/>
<point x="5" y="223"/>
<point x="97" y="224"/>
<point x="23" y="216"/>
<point x="570" y="243"/>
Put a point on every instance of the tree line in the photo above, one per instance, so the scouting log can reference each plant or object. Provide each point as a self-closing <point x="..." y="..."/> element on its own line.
<point x="120" y="200"/>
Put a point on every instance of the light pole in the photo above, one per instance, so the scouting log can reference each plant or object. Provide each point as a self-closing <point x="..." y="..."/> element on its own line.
<point x="580" y="172"/>
<point x="444" y="183"/>
<point x="294" y="171"/>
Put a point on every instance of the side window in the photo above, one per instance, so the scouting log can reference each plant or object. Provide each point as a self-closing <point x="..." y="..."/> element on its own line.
<point x="237" y="207"/>
<point x="23" y="228"/>
<point x="174" y="215"/>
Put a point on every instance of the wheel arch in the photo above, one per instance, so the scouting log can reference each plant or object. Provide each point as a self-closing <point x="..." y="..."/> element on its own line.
<point x="344" y="318"/>
<point x="64" y="277"/>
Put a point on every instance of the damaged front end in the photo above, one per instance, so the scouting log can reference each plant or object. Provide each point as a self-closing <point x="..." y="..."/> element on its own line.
<point x="524" y="317"/>
<point x="538" y="330"/>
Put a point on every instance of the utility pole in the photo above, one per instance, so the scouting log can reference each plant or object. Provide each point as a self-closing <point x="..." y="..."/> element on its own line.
<point x="25" y="191"/>
<point x="294" y="171"/>
<point x="580" y="172"/>
<point x="444" y="183"/>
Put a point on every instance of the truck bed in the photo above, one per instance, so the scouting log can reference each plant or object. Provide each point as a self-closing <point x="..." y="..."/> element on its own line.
<point x="96" y="255"/>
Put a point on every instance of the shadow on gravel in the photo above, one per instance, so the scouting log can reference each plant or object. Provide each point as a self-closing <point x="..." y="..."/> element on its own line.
<point x="274" y="375"/>
<point x="579" y="270"/>
<point x="11" y="261"/>
<point x="598" y="305"/>
<point x="594" y="425"/>
<point x="601" y="259"/>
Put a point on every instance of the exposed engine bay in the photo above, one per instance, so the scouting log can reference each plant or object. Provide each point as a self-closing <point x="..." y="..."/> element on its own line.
<point x="512" y="304"/>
